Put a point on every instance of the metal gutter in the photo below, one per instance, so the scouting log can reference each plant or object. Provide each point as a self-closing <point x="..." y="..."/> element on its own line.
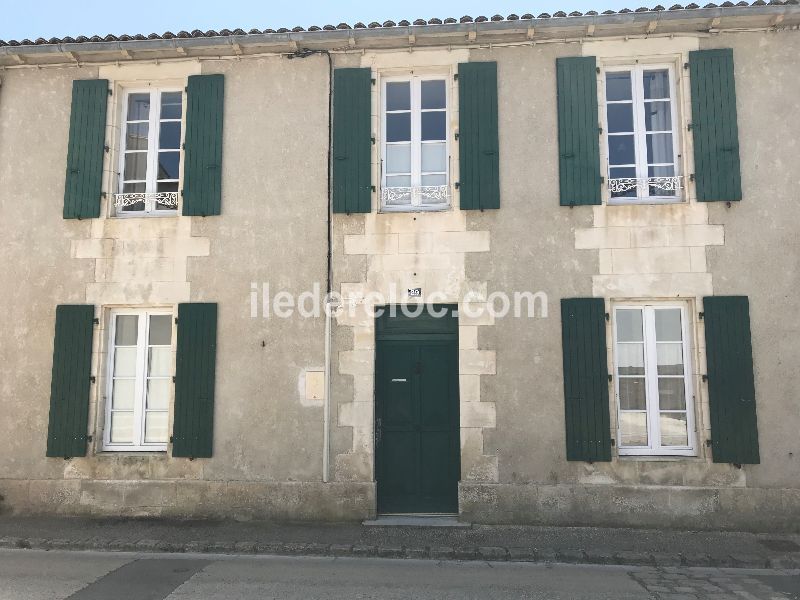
<point x="432" y="34"/>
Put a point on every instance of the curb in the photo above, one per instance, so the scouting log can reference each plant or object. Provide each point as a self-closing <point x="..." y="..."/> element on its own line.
<point x="461" y="553"/>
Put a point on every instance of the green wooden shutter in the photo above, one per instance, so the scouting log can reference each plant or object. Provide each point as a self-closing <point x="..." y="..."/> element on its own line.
<point x="87" y="140"/>
<point x="193" y="427"/>
<point x="202" y="172"/>
<point x="352" y="140"/>
<point x="583" y="330"/>
<point x="715" y="130"/>
<point x="731" y="389"/>
<point x="578" y="131"/>
<point x="71" y="380"/>
<point x="479" y="154"/>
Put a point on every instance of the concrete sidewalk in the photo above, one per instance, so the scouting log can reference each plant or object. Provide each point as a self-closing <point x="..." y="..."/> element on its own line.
<point x="580" y="545"/>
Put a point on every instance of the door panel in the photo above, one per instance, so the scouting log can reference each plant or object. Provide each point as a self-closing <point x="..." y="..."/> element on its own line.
<point x="417" y="425"/>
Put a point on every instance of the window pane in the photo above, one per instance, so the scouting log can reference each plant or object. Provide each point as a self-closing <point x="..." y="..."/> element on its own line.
<point x="434" y="158"/>
<point x="398" y="95"/>
<point x="136" y="136"/>
<point x="618" y="86"/>
<point x="633" y="429"/>
<point x="139" y="186"/>
<point x="160" y="362"/>
<point x="398" y="127"/>
<point x="623" y="173"/>
<point x="434" y="125"/>
<point x="398" y="181"/>
<point x="629" y="325"/>
<point x="160" y="330"/>
<point x="167" y="186"/>
<point x="155" y="427"/>
<point x="630" y="359"/>
<point x="668" y="325"/>
<point x="158" y="394"/>
<point x="673" y="429"/>
<point x="122" y="427"/>
<point x="127" y="330"/>
<point x="168" y="163"/>
<point x="125" y="362"/>
<point x="138" y="107"/>
<point x="433" y="180"/>
<point x="135" y="165"/>
<point x="657" y="116"/>
<point x="632" y="394"/>
<point x="659" y="148"/>
<point x="671" y="393"/>
<point x="398" y="158"/>
<point x="664" y="189"/>
<point x="170" y="137"/>
<point x="433" y="94"/>
<point x="656" y="84"/>
<point x="171" y="105"/>
<point x="620" y="118"/>
<point x="621" y="150"/>
<point x="122" y="394"/>
<point x="670" y="359"/>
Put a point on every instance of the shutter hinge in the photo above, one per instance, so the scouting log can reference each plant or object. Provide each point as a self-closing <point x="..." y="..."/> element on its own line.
<point x="613" y="442"/>
<point x="608" y="316"/>
<point x="691" y="177"/>
<point x="96" y="321"/>
<point x="373" y="81"/>
<point x="685" y="65"/>
<point x="93" y="379"/>
<point x="455" y="135"/>
<point x="89" y="438"/>
<point x="457" y="185"/>
<point x="373" y="188"/>
<point x="704" y="377"/>
<point x="186" y="89"/>
<point x="455" y="77"/>
<point x="610" y="378"/>
<point x="372" y="139"/>
<point x="708" y="443"/>
<point x="181" y="193"/>
<point x="176" y="320"/>
<point x="174" y="379"/>
<point x="602" y="180"/>
<point x="183" y="146"/>
<point x="690" y="126"/>
<point x="597" y="69"/>
<point x="702" y="315"/>
<point x="103" y="195"/>
<point x="171" y="439"/>
<point x="600" y="131"/>
<point x="110" y="92"/>
<point x="107" y="148"/>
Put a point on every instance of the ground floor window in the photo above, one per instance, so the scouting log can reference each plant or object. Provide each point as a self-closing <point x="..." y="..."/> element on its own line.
<point x="140" y="380"/>
<point x="653" y="384"/>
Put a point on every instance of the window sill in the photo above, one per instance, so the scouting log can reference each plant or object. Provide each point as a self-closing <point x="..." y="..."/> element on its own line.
<point x="414" y="209"/>
<point x="158" y="215"/>
<point x="643" y="201"/>
<point x="661" y="457"/>
<point x="128" y="451"/>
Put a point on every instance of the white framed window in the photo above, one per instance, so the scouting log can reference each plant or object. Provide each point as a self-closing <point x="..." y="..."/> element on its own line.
<point x="641" y="133"/>
<point x="150" y="152"/>
<point x="653" y="381"/>
<point x="415" y="157"/>
<point x="139" y="381"/>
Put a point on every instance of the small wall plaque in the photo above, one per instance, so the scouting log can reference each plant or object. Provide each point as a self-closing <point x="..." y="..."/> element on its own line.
<point x="414" y="292"/>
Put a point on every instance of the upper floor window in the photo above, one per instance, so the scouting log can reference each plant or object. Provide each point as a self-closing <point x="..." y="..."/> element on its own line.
<point x="140" y="380"/>
<point x="150" y="152"/>
<point x="642" y="142"/>
<point x="415" y="158"/>
<point x="652" y="380"/>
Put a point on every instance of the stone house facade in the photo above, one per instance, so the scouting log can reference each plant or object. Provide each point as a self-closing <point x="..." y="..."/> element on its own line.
<point x="561" y="252"/>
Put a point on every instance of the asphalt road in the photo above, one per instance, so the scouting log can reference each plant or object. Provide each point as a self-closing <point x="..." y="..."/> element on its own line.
<point x="57" y="575"/>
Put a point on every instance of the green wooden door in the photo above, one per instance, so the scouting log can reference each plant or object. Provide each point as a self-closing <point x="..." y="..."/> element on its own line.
<point x="417" y="425"/>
